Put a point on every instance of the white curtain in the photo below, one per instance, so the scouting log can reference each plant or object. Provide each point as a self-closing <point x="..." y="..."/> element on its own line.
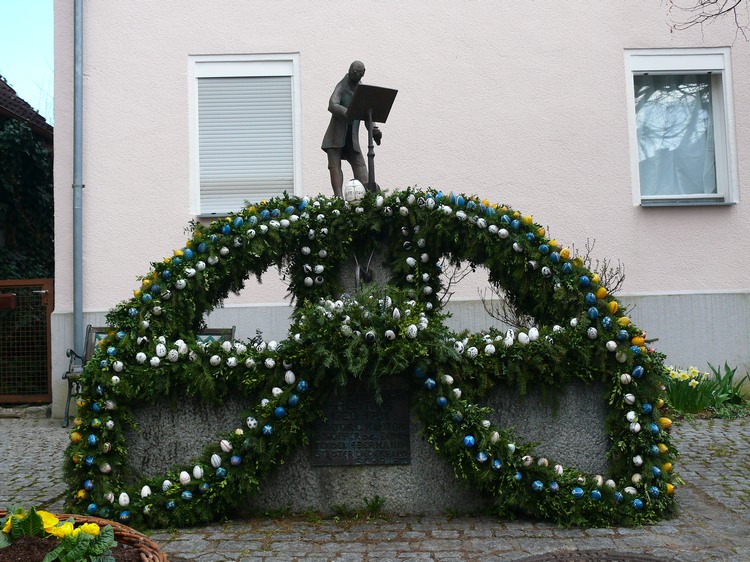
<point x="675" y="134"/>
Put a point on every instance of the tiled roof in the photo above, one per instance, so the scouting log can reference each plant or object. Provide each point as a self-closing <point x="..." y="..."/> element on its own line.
<point x="13" y="106"/>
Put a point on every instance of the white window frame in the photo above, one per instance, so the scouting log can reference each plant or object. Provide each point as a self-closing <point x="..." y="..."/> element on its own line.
<point x="717" y="63"/>
<point x="239" y="65"/>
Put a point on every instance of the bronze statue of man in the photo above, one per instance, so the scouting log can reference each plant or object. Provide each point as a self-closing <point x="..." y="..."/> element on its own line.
<point x="341" y="140"/>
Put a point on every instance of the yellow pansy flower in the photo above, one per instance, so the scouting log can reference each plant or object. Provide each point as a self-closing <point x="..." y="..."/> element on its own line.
<point x="61" y="531"/>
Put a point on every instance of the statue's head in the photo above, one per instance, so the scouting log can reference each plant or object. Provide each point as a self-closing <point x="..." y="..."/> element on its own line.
<point x="356" y="71"/>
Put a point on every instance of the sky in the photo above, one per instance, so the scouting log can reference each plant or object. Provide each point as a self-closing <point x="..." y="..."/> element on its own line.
<point x="27" y="51"/>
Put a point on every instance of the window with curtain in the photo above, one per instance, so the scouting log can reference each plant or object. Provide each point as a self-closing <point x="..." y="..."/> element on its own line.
<point x="681" y="121"/>
<point x="245" y="132"/>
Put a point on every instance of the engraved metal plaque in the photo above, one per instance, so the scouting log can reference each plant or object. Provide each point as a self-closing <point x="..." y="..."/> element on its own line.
<point x="361" y="432"/>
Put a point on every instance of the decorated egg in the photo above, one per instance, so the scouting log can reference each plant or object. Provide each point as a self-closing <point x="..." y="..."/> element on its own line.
<point x="629" y="398"/>
<point x="537" y="486"/>
<point x="631" y="416"/>
<point x="494" y="437"/>
<point x="279" y="412"/>
<point x="637" y="460"/>
<point x="225" y="445"/>
<point x="269" y="363"/>
<point x="215" y="460"/>
<point x="611" y="345"/>
<point x="184" y="478"/>
<point x="390" y="334"/>
<point x="105" y="468"/>
<point x="252" y="423"/>
<point x="115" y="380"/>
<point x="637" y="503"/>
<point x="469" y="441"/>
<point x="118" y="366"/>
<point x="577" y="492"/>
<point x="523" y="338"/>
<point x="592" y="333"/>
<point x="596" y="495"/>
<point x="197" y="472"/>
<point x="457" y="393"/>
<point x="635" y="427"/>
<point x="625" y="378"/>
<point x="276" y="392"/>
<point x="124" y="500"/>
<point x="267" y="430"/>
<point x="527" y="460"/>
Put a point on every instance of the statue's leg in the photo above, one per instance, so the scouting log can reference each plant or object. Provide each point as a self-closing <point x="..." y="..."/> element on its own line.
<point x="359" y="168"/>
<point x="334" y="167"/>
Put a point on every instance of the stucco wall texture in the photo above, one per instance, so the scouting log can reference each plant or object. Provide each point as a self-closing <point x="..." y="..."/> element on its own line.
<point x="520" y="103"/>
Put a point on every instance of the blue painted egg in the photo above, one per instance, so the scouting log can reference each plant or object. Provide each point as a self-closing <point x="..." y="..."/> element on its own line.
<point x="249" y="444"/>
<point x="584" y="281"/>
<point x="442" y="401"/>
<point x="567" y="268"/>
<point x="267" y="430"/>
<point x="279" y="412"/>
<point x="593" y="313"/>
<point x="289" y="210"/>
<point x="543" y="249"/>
<point x="419" y="373"/>
<point x="265" y="215"/>
<point x="221" y="473"/>
<point x="515" y="224"/>
<point x="302" y="386"/>
<point x="497" y="464"/>
<point x="653" y="491"/>
<point x="439" y="195"/>
<point x="518" y="476"/>
<point x="302" y="205"/>
<point x="176" y="260"/>
<point x="453" y="198"/>
<point x="124" y="516"/>
<point x="491" y="211"/>
<point x="482" y="456"/>
<point x="654" y="450"/>
<point x="554" y="487"/>
<point x="187" y="495"/>
<point x="202" y="248"/>
<point x="103" y="364"/>
<point x="188" y="253"/>
<point x="505" y="219"/>
<point x="155" y="289"/>
<point x="530" y="236"/>
<point x="92" y="509"/>
<point x="226" y="229"/>
<point x="618" y="496"/>
<point x="622" y="335"/>
<point x="460" y="201"/>
<point x="96" y="422"/>
<point x="656" y="471"/>
<point x="635" y="349"/>
<point x="121" y="334"/>
<point x="88" y="461"/>
<point x="133" y="312"/>
<point x="235" y="460"/>
<point x="93" y="439"/>
<point x="147" y="298"/>
<point x="170" y="505"/>
<point x="88" y="485"/>
<point x="214" y="238"/>
<point x="166" y="274"/>
<point x="111" y="350"/>
<point x="429" y="384"/>
<point x="204" y="487"/>
<point x="293" y="400"/>
<point x="653" y="428"/>
<point x="554" y="257"/>
<point x="469" y="441"/>
<point x="637" y="370"/>
<point x="238" y="222"/>
<point x="96" y="407"/>
<point x="590" y="298"/>
<point x="537" y="486"/>
<point x="577" y="493"/>
<point x="607" y="323"/>
<point x="647" y="408"/>
<point x="104" y="513"/>
<point x="457" y="417"/>
<point x="472" y="205"/>
<point x="638" y="503"/>
<point x="596" y="495"/>
<point x="275" y="213"/>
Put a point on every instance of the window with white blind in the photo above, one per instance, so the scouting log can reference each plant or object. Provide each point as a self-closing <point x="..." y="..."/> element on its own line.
<point x="244" y="133"/>
<point x="681" y="126"/>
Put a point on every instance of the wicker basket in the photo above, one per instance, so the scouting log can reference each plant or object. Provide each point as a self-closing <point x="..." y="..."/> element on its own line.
<point x="149" y="550"/>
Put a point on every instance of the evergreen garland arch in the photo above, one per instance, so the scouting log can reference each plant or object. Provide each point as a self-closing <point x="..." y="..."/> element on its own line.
<point x="580" y="332"/>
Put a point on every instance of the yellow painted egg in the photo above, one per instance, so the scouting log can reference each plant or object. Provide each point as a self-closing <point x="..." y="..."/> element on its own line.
<point x="637" y="340"/>
<point x="553" y="243"/>
<point x="595" y="278"/>
<point x="623" y="321"/>
<point x="662" y="448"/>
<point x="565" y="253"/>
<point x="527" y="220"/>
<point x="578" y="262"/>
<point x="76" y="437"/>
<point x="81" y="494"/>
<point x="180" y="253"/>
<point x="659" y="403"/>
<point x="670" y="489"/>
<point x="667" y="467"/>
<point x="613" y="306"/>
<point x="601" y="292"/>
<point x="665" y="423"/>
<point x="540" y="231"/>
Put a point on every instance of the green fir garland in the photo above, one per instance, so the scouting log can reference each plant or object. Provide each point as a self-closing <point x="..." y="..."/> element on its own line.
<point x="581" y="332"/>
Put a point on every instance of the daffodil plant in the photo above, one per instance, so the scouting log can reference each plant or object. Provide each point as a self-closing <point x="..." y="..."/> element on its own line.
<point x="84" y="543"/>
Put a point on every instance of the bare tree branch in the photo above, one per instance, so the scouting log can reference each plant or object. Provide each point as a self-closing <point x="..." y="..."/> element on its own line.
<point x="685" y="14"/>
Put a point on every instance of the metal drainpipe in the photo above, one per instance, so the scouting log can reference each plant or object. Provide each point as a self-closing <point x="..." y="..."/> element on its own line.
<point x="78" y="177"/>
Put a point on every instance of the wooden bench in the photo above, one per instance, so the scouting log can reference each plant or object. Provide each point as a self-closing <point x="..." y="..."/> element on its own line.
<point x="95" y="334"/>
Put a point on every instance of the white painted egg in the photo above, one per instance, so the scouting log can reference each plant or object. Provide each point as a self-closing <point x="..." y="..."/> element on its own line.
<point x="215" y="360"/>
<point x="630" y="490"/>
<point x="197" y="472"/>
<point x="215" y="460"/>
<point x="625" y="378"/>
<point x="494" y="437"/>
<point x="213" y="260"/>
<point x="527" y="460"/>
<point x="447" y="379"/>
<point x="629" y="398"/>
<point x="411" y="331"/>
<point x="457" y="393"/>
<point x="189" y="272"/>
<point x="289" y="377"/>
<point x="390" y="334"/>
<point x="269" y="363"/>
<point x="161" y="350"/>
<point x="611" y="345"/>
<point x="184" y="478"/>
<point x="635" y="427"/>
<point x="155" y="361"/>
<point x="173" y="355"/>
<point x="124" y="500"/>
<point x="200" y="265"/>
<point x="145" y="492"/>
<point x="115" y="380"/>
<point x="631" y="416"/>
<point x="637" y="460"/>
<point x="231" y="362"/>
<point x="636" y="478"/>
<point x="489" y="349"/>
<point x="533" y="334"/>
<point x="251" y="422"/>
<point x="276" y="392"/>
<point x="559" y="469"/>
<point x="224" y="251"/>
<point x="523" y="338"/>
<point x="118" y="366"/>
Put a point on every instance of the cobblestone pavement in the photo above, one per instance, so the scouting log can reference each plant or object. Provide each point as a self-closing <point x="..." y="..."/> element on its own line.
<point x="713" y="523"/>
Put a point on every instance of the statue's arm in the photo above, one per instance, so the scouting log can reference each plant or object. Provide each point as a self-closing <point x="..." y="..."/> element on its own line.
<point x="334" y="104"/>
